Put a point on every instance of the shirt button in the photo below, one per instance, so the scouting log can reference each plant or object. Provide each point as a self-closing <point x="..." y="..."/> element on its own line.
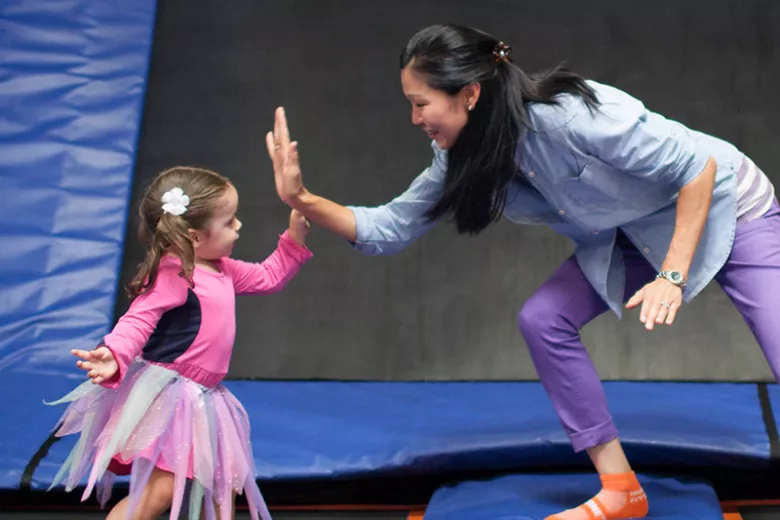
<point x="646" y="250"/>
<point x="561" y="212"/>
<point x="531" y="174"/>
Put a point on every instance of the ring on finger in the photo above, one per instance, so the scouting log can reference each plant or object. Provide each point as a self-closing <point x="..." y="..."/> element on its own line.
<point x="664" y="304"/>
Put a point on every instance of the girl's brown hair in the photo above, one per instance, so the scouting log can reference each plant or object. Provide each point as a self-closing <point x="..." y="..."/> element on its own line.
<point x="165" y="233"/>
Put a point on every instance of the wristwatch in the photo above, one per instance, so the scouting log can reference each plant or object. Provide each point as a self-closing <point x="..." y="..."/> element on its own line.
<point x="674" y="277"/>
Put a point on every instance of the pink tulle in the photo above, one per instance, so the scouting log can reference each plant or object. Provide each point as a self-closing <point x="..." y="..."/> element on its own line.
<point x="159" y="419"/>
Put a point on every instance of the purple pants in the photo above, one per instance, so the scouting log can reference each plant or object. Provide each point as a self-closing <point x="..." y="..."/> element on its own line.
<point x="551" y="319"/>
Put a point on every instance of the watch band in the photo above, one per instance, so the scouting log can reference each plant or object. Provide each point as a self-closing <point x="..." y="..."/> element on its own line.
<point x="674" y="277"/>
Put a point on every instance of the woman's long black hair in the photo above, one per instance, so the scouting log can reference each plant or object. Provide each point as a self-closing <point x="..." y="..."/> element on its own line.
<point x="481" y="163"/>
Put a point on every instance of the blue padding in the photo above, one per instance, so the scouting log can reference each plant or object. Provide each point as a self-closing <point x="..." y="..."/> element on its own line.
<point x="325" y="429"/>
<point x="322" y="429"/>
<point x="71" y="87"/>
<point x="535" y="497"/>
<point x="694" y="424"/>
<point x="26" y="423"/>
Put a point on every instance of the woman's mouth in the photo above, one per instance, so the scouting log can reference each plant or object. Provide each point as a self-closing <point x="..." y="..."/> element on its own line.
<point x="432" y="133"/>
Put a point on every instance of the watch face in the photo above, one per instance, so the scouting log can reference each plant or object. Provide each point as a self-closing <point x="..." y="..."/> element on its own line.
<point x="675" y="277"/>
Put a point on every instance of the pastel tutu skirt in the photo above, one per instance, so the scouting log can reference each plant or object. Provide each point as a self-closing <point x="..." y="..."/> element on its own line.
<point x="158" y="418"/>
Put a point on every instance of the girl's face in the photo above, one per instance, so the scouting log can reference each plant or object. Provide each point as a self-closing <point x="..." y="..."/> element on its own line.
<point x="219" y="235"/>
<point x="441" y="116"/>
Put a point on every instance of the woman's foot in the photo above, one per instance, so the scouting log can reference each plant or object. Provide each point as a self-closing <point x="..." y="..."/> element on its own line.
<point x="620" y="498"/>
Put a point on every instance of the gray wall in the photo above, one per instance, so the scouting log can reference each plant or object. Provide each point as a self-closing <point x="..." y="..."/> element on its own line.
<point x="446" y="307"/>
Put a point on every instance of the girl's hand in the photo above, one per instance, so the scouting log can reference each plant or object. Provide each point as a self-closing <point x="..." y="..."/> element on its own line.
<point x="299" y="227"/>
<point x="99" y="363"/>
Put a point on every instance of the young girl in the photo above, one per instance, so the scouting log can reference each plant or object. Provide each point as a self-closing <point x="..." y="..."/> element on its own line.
<point x="159" y="412"/>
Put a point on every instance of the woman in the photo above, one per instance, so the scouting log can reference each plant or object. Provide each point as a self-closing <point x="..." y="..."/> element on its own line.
<point x="656" y="212"/>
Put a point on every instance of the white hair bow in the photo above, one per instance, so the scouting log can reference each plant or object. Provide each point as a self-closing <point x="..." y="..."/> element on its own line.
<point x="175" y="202"/>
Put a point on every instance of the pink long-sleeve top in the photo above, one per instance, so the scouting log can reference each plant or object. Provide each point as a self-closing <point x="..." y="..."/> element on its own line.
<point x="192" y="329"/>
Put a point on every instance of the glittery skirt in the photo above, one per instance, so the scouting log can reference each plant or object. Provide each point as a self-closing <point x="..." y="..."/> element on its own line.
<point x="157" y="418"/>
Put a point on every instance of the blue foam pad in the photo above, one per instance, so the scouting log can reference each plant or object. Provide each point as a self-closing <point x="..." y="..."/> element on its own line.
<point x="320" y="429"/>
<point x="26" y="424"/>
<point x="72" y="89"/>
<point x="73" y="82"/>
<point x="333" y="429"/>
<point x="535" y="497"/>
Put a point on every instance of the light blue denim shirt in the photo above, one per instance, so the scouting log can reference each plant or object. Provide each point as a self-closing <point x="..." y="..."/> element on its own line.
<point x="621" y="166"/>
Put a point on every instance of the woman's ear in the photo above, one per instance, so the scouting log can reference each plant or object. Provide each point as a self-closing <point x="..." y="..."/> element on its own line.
<point x="471" y="95"/>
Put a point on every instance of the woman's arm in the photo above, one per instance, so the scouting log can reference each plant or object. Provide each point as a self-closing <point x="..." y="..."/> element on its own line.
<point x="643" y="144"/>
<point x="661" y="299"/>
<point x="326" y="213"/>
<point x="693" y="206"/>
<point x="383" y="229"/>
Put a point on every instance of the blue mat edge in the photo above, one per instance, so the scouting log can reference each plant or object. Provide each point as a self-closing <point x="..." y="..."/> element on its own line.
<point x="406" y="452"/>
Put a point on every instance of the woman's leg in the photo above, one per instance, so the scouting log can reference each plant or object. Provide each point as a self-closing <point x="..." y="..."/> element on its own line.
<point x="550" y="323"/>
<point x="751" y="278"/>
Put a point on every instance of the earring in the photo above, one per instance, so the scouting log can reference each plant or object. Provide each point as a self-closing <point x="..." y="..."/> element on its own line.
<point x="471" y="108"/>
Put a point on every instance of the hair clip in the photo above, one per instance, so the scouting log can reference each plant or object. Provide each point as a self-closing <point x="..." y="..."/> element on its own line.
<point x="501" y="52"/>
<point x="175" y="202"/>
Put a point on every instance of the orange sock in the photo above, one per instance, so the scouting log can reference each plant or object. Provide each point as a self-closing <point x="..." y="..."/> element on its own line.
<point x="621" y="498"/>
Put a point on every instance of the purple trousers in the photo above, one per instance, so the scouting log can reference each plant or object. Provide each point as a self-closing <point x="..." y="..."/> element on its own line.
<point x="551" y="319"/>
